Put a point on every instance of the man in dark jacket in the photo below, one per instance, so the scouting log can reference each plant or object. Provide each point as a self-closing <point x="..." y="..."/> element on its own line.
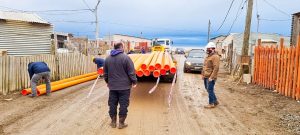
<point x="99" y="62"/>
<point x="119" y="74"/>
<point x="37" y="71"/>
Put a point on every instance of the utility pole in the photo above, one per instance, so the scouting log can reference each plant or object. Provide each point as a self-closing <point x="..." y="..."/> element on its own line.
<point x="245" y="48"/>
<point x="208" y="34"/>
<point x="97" y="22"/>
<point x="95" y="12"/>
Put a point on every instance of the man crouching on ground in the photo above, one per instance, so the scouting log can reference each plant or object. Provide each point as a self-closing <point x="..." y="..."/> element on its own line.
<point x="119" y="74"/>
<point x="210" y="73"/>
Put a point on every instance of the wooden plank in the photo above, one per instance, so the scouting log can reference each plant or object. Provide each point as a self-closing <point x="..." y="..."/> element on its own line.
<point x="288" y="72"/>
<point x="270" y="61"/>
<point x="271" y="67"/>
<point x="1" y="75"/>
<point x="294" y="87"/>
<point x="260" y="65"/>
<point x="267" y="68"/>
<point x="275" y="65"/>
<point x="284" y="70"/>
<point x="291" y="72"/>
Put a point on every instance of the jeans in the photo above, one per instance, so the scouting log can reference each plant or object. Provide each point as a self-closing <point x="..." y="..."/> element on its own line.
<point x="36" y="77"/>
<point x="209" y="86"/>
<point x="118" y="97"/>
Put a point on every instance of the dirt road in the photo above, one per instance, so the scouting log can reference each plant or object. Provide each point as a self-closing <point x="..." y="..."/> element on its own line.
<point x="242" y="110"/>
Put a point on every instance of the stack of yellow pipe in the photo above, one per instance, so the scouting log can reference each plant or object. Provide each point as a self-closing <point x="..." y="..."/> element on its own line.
<point x="61" y="84"/>
<point x="157" y="63"/>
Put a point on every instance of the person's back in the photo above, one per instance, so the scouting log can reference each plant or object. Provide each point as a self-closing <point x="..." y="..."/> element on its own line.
<point x="37" y="67"/>
<point x="99" y="62"/>
<point x="118" y="71"/>
<point x="37" y="71"/>
<point x="119" y="74"/>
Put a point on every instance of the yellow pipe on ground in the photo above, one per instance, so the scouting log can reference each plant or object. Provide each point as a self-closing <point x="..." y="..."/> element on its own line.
<point x="67" y="84"/>
<point x="27" y="91"/>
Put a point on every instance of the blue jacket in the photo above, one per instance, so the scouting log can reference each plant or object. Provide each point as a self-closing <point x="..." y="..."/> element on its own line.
<point x="99" y="62"/>
<point x="37" y="67"/>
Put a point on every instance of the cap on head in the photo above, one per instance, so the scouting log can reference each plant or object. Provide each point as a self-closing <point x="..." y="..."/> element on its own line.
<point x="210" y="45"/>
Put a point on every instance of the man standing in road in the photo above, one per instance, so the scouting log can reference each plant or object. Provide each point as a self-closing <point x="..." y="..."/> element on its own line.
<point x="119" y="74"/>
<point x="210" y="73"/>
<point x="37" y="71"/>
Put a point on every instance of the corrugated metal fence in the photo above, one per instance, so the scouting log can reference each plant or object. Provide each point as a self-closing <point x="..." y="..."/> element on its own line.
<point x="277" y="68"/>
<point x="14" y="75"/>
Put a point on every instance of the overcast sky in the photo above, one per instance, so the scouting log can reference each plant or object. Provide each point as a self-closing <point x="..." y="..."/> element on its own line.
<point x="185" y="21"/>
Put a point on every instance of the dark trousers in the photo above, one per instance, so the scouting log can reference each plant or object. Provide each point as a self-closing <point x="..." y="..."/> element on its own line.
<point x="210" y="87"/>
<point x="118" y="97"/>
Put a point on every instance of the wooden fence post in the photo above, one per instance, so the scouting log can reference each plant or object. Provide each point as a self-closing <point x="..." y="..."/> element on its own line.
<point x="295" y="72"/>
<point x="298" y="79"/>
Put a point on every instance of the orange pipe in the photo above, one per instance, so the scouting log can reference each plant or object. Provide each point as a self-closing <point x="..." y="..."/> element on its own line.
<point x="67" y="84"/>
<point x="156" y="73"/>
<point x="146" y="63"/>
<point x="173" y="69"/>
<point x="298" y="77"/>
<point x="167" y="60"/>
<point x="27" y="91"/>
<point x="159" y="61"/>
<point x="140" y="73"/>
<point x="153" y="61"/>
<point x="163" y="71"/>
<point x="146" y="72"/>
<point x="138" y="63"/>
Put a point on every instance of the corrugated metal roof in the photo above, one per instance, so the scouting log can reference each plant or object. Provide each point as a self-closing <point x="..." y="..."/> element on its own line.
<point x="22" y="16"/>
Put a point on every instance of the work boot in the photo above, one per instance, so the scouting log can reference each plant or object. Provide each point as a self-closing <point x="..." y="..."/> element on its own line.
<point x="32" y="96"/>
<point x="210" y="106"/>
<point x="122" y="123"/>
<point x="113" y="123"/>
<point x="217" y="103"/>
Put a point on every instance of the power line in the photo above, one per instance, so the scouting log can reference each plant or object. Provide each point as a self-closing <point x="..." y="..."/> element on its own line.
<point x="275" y="20"/>
<point x="57" y="10"/>
<point x="279" y="10"/>
<point x="85" y="3"/>
<point x="44" y="11"/>
<point x="62" y="21"/>
<point x="226" y="15"/>
<point x="65" y="13"/>
<point x="241" y="7"/>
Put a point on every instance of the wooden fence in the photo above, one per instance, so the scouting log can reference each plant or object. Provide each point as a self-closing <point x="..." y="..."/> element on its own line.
<point x="14" y="75"/>
<point x="277" y="68"/>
